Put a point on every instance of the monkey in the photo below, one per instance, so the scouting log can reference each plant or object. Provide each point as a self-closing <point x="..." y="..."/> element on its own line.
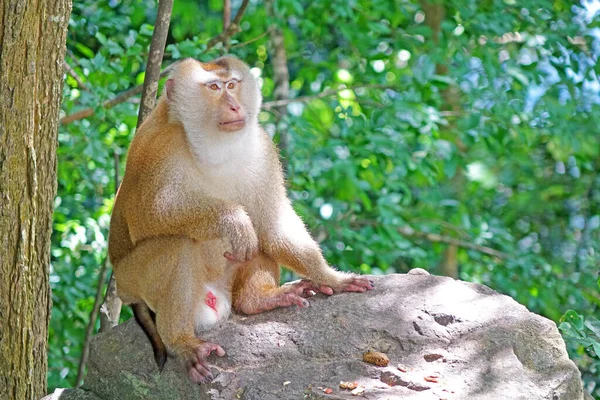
<point x="202" y="222"/>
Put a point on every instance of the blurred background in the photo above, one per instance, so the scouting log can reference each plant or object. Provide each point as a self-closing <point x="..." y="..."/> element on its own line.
<point x="462" y="137"/>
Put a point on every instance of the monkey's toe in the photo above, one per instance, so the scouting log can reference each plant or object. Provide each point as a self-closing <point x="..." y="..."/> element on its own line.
<point x="206" y="349"/>
<point x="199" y="373"/>
<point x="289" y="299"/>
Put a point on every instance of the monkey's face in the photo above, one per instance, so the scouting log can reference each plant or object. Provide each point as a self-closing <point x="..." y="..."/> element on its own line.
<point x="218" y="96"/>
<point x="225" y="100"/>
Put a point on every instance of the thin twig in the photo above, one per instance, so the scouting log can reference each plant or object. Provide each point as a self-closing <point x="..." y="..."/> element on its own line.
<point x="447" y="225"/>
<point x="91" y="323"/>
<point x="246" y="43"/>
<point x="74" y="75"/>
<point x="434" y="237"/>
<point x="231" y="29"/>
<point x="157" y="50"/>
<point x="124" y="96"/>
<point x="111" y="306"/>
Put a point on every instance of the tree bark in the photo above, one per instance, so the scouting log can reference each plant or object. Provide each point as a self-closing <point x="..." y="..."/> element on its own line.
<point x="157" y="50"/>
<point x="32" y="51"/>
<point x="435" y="13"/>
<point x="281" y="76"/>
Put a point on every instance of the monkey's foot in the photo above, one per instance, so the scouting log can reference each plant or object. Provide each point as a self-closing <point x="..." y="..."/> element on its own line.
<point x="285" y="296"/>
<point x="198" y="368"/>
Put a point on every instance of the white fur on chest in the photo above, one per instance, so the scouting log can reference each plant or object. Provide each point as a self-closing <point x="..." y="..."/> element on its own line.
<point x="230" y="165"/>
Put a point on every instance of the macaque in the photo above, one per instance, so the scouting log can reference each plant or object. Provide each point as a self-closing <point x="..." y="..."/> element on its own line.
<point x="202" y="221"/>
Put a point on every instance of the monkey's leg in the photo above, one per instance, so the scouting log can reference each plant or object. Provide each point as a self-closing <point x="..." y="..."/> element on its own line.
<point x="172" y="276"/>
<point x="176" y="324"/>
<point x="256" y="288"/>
<point x="291" y="245"/>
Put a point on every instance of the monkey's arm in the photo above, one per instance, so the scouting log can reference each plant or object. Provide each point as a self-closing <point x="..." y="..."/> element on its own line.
<point x="289" y="243"/>
<point x="180" y="211"/>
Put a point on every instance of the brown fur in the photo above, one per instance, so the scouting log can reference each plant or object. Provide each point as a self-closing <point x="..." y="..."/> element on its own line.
<point x="193" y="192"/>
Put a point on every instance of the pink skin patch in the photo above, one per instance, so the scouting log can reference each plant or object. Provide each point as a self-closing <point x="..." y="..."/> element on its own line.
<point x="211" y="301"/>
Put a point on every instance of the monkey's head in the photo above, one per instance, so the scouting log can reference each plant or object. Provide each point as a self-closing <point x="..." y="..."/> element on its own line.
<point x="217" y="97"/>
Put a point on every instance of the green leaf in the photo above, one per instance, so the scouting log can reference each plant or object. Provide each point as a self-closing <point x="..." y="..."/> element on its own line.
<point x="594" y="325"/>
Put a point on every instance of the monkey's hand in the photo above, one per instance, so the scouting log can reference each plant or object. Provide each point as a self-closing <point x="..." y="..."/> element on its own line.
<point x="244" y="241"/>
<point x="343" y="283"/>
<point x="197" y="366"/>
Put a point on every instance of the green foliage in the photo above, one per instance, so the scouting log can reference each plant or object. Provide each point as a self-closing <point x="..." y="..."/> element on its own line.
<point x="583" y="334"/>
<point x="485" y="132"/>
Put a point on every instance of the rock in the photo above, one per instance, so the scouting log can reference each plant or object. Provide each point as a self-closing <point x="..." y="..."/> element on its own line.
<point x="452" y="340"/>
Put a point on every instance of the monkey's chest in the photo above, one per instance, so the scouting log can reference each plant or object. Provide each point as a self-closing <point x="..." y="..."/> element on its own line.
<point x="237" y="183"/>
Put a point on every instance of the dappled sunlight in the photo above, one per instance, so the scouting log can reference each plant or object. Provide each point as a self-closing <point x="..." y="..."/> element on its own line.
<point x="457" y="137"/>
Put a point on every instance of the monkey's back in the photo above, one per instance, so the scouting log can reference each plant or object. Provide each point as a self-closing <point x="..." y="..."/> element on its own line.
<point x="147" y="160"/>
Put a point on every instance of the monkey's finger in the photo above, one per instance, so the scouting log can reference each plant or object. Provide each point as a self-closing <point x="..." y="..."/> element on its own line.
<point x="230" y="257"/>
<point x="325" y="290"/>
<point x="354" y="288"/>
<point x="366" y="283"/>
<point x="250" y="254"/>
<point x="303" y="288"/>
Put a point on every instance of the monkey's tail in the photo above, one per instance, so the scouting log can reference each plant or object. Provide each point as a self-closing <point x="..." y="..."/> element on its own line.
<point x="146" y="318"/>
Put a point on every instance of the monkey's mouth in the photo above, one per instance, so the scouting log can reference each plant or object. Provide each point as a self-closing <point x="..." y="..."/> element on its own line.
<point x="232" y="125"/>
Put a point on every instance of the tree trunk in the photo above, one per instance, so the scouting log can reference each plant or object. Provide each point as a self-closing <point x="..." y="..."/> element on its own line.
<point x="435" y="13"/>
<point x="32" y="47"/>
<point x="281" y="76"/>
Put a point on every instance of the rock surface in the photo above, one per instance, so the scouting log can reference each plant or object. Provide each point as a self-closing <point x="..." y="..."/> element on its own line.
<point x="445" y="339"/>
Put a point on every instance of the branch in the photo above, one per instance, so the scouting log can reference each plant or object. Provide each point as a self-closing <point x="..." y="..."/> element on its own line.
<point x="281" y="78"/>
<point x="434" y="237"/>
<point x="157" y="50"/>
<point x="242" y="44"/>
<point x="124" y="96"/>
<point x="303" y="99"/>
<point x="74" y="75"/>
<point x="91" y="323"/>
<point x="111" y="307"/>
<point x="226" y="13"/>
<point x="231" y="28"/>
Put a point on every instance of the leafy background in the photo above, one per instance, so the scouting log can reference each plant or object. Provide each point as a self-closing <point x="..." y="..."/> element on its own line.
<point x="486" y="132"/>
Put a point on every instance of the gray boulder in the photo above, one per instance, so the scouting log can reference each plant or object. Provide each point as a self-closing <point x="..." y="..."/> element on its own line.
<point x="445" y="339"/>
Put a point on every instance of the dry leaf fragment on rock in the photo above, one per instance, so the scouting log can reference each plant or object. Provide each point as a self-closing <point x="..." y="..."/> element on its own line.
<point x="328" y="390"/>
<point x="358" y="391"/>
<point x="377" y="358"/>
<point x="432" y="357"/>
<point x="348" y="385"/>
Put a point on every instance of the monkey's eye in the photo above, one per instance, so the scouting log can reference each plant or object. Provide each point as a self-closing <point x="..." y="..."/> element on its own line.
<point x="230" y="85"/>
<point x="214" y="86"/>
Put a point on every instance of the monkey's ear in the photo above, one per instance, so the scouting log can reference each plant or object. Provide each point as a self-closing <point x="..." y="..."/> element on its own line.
<point x="169" y="88"/>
